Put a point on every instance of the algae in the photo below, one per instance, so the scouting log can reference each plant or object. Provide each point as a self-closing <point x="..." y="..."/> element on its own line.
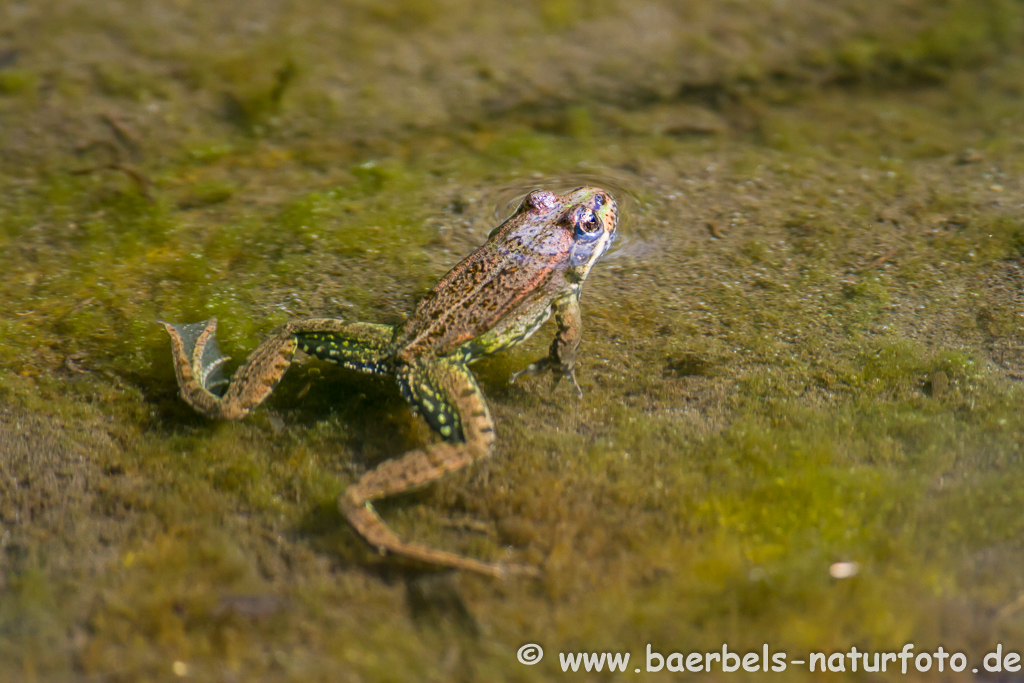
<point x="805" y="349"/>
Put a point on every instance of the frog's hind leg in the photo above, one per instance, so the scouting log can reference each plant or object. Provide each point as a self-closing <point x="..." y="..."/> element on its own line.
<point x="356" y="346"/>
<point x="199" y="364"/>
<point x="448" y="397"/>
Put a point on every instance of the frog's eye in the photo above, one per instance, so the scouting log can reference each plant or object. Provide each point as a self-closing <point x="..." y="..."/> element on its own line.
<point x="586" y="224"/>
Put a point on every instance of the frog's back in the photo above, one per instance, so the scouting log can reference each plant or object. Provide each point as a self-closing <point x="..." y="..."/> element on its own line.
<point x="512" y="275"/>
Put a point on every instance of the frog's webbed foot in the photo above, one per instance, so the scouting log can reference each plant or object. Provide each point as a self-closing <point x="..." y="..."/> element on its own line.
<point x="195" y="347"/>
<point x="199" y="367"/>
<point x="553" y="364"/>
<point x="448" y="397"/>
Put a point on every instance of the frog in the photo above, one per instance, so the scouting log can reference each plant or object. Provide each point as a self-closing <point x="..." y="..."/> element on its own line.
<point x="532" y="267"/>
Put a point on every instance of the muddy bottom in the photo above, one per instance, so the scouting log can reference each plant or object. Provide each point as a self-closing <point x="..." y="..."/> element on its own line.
<point x="801" y="364"/>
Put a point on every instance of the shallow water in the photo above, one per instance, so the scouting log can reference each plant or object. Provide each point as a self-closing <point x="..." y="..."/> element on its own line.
<point x="801" y="361"/>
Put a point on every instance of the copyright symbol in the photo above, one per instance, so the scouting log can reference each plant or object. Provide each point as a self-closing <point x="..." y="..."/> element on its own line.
<point x="530" y="654"/>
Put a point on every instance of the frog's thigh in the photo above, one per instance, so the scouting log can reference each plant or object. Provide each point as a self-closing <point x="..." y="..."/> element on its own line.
<point x="357" y="346"/>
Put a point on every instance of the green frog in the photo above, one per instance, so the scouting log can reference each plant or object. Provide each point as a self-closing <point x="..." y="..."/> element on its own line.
<point x="532" y="265"/>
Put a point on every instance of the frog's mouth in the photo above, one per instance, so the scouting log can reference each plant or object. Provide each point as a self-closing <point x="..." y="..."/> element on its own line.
<point x="585" y="254"/>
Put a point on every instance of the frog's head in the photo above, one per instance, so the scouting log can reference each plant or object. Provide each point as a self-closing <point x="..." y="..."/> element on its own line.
<point x="572" y="230"/>
<point x="591" y="216"/>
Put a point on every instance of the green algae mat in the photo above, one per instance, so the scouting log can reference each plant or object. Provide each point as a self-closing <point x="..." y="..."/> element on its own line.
<point x="803" y="359"/>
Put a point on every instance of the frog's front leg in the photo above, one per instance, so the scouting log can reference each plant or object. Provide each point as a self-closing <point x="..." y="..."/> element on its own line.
<point x="448" y="398"/>
<point x="561" y="359"/>
<point x="199" y="365"/>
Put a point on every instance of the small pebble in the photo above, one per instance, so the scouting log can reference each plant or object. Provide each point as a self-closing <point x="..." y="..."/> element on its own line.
<point x="970" y="156"/>
<point x="843" y="570"/>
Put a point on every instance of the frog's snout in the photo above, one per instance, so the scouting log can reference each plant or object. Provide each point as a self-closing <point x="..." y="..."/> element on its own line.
<point x="606" y="209"/>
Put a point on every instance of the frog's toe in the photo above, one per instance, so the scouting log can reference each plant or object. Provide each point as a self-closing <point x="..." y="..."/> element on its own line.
<point x="532" y="369"/>
<point x="571" y="374"/>
<point x="548" y="363"/>
<point x="195" y="347"/>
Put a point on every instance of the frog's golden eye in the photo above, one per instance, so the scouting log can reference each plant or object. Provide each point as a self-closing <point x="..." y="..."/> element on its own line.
<point x="586" y="223"/>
